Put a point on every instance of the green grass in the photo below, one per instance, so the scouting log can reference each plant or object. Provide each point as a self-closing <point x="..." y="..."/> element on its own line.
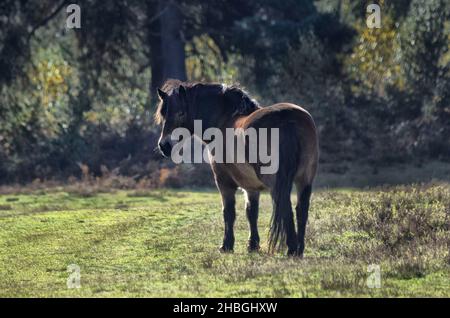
<point x="165" y="244"/>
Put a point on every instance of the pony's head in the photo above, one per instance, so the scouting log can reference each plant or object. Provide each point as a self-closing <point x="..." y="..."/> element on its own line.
<point x="171" y="112"/>
<point x="214" y="104"/>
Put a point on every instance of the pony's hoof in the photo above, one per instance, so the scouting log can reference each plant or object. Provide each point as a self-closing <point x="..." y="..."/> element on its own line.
<point x="224" y="249"/>
<point x="300" y="250"/>
<point x="296" y="254"/>
<point x="292" y="252"/>
<point x="253" y="247"/>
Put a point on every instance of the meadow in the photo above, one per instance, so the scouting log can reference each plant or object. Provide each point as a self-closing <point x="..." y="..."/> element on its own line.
<point x="164" y="243"/>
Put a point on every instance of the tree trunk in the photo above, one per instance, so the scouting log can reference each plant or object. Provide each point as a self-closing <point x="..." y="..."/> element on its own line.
<point x="167" y="58"/>
<point x="172" y="42"/>
<point x="156" y="58"/>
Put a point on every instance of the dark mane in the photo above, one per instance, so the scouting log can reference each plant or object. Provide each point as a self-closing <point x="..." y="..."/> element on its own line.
<point x="234" y="95"/>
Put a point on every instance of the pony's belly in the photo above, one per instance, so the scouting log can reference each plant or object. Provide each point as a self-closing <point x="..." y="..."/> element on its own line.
<point x="245" y="177"/>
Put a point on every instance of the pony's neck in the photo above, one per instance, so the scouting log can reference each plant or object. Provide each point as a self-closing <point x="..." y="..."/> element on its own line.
<point x="211" y="111"/>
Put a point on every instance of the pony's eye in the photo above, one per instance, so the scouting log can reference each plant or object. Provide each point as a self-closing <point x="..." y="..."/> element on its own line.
<point x="180" y="117"/>
<point x="164" y="110"/>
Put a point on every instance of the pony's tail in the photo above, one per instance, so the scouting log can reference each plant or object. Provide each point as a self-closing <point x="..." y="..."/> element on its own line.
<point x="282" y="219"/>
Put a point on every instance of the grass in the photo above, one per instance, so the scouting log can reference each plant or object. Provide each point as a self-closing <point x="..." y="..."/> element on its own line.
<point x="164" y="243"/>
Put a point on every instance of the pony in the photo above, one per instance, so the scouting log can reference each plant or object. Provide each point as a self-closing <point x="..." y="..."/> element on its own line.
<point x="220" y="106"/>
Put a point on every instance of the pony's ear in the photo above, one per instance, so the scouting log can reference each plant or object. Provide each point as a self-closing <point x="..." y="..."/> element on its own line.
<point x="162" y="94"/>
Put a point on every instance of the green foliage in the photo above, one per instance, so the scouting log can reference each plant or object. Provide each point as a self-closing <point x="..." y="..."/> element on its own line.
<point x="374" y="62"/>
<point x="204" y="62"/>
<point x="425" y="41"/>
<point x="82" y="96"/>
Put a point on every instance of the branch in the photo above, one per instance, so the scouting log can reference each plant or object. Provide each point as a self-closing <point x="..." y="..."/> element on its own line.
<point x="157" y="15"/>
<point x="47" y="19"/>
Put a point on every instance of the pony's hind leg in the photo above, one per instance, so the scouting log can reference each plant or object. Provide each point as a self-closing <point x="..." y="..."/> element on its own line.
<point x="251" y="209"/>
<point x="302" y="207"/>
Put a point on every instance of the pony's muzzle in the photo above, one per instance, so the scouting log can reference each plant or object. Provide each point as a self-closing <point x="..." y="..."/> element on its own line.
<point x="165" y="147"/>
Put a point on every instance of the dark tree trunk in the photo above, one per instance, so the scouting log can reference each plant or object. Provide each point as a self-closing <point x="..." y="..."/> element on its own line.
<point x="156" y="58"/>
<point x="172" y="42"/>
<point x="167" y="58"/>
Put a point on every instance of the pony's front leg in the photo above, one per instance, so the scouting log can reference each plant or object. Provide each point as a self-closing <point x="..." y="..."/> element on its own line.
<point x="229" y="215"/>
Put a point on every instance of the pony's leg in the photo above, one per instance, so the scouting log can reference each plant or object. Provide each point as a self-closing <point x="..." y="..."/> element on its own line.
<point x="251" y="209"/>
<point x="229" y="215"/>
<point x="302" y="207"/>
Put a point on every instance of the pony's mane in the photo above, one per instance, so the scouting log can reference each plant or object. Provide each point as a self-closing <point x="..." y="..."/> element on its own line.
<point x="235" y="94"/>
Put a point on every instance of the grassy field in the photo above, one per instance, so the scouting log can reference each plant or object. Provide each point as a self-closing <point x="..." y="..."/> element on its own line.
<point x="164" y="243"/>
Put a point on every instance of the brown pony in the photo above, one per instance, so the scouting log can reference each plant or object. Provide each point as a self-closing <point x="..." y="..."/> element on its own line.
<point x="225" y="107"/>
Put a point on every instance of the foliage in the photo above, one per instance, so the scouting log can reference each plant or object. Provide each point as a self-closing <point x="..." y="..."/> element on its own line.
<point x="86" y="96"/>
<point x="374" y="62"/>
<point x="205" y="63"/>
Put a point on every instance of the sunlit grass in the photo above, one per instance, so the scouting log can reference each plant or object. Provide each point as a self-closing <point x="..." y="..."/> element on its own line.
<point x="164" y="243"/>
